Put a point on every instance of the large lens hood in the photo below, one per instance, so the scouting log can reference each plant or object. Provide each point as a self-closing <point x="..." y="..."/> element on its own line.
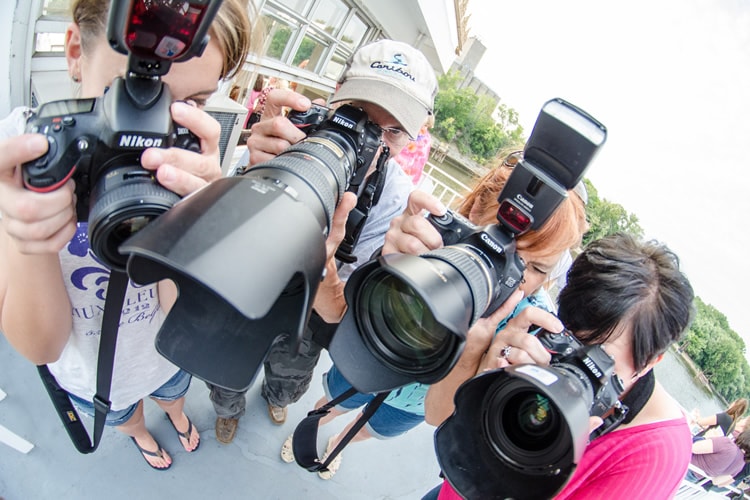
<point x="471" y="458"/>
<point x="246" y="256"/>
<point x="365" y="362"/>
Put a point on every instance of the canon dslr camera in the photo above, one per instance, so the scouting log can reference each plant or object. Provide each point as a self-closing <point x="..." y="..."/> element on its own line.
<point x="408" y="315"/>
<point x="98" y="141"/>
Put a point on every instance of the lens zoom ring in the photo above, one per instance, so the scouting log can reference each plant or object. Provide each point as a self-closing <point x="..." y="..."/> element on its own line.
<point x="153" y="194"/>
<point x="474" y="270"/>
<point x="311" y="172"/>
<point x="338" y="166"/>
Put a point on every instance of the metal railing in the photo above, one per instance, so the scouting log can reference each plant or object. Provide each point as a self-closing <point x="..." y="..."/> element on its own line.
<point x="442" y="185"/>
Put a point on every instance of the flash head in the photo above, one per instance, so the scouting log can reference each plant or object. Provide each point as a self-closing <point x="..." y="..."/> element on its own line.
<point x="564" y="141"/>
<point x="156" y="33"/>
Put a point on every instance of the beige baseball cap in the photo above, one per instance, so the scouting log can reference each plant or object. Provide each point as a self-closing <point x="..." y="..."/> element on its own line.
<point x="395" y="76"/>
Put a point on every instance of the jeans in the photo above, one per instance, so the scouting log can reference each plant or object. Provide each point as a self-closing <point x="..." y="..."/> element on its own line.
<point x="173" y="389"/>
<point x="386" y="422"/>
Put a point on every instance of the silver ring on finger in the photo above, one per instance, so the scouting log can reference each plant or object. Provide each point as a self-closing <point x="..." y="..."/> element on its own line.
<point x="505" y="351"/>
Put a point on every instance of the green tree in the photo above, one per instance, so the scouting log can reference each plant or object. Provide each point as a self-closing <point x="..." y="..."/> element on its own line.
<point x="278" y="42"/>
<point x="718" y="351"/>
<point x="606" y="217"/>
<point x="471" y="122"/>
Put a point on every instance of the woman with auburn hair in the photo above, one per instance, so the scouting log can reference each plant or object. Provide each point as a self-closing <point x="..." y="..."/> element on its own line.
<point x="540" y="249"/>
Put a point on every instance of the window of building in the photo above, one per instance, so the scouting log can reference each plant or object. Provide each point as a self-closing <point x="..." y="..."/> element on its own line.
<point x="50" y="28"/>
<point x="318" y="35"/>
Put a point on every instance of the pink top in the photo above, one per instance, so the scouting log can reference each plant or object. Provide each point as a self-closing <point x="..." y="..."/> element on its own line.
<point x="646" y="461"/>
<point x="250" y="104"/>
<point x="414" y="155"/>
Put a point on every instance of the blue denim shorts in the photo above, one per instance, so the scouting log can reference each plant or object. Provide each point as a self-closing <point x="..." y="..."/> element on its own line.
<point x="386" y="422"/>
<point x="174" y="388"/>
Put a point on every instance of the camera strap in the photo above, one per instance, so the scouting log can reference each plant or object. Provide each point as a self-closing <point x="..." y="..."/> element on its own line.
<point x="367" y="199"/>
<point x="118" y="283"/>
<point x="630" y="406"/>
<point x="305" y="439"/>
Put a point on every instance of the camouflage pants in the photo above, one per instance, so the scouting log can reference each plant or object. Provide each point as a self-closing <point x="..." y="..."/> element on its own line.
<point x="289" y="365"/>
<point x="227" y="403"/>
<point x="288" y="372"/>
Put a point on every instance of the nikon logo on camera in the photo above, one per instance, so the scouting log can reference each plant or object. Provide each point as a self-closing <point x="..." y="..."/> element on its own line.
<point x="139" y="141"/>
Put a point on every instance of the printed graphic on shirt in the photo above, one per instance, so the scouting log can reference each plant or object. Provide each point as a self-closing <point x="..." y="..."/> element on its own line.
<point x="89" y="279"/>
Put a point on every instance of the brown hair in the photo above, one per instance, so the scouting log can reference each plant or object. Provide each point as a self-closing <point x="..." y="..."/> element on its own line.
<point x="737" y="409"/>
<point x="231" y="28"/>
<point x="563" y="230"/>
<point x="743" y="442"/>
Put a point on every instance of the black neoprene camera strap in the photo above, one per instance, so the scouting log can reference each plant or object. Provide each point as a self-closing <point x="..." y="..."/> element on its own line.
<point x="305" y="438"/>
<point x="118" y="283"/>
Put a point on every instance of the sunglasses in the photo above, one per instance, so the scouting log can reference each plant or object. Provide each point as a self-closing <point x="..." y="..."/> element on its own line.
<point x="512" y="159"/>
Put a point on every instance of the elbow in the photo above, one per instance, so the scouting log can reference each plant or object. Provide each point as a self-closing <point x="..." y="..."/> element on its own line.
<point x="431" y="420"/>
<point x="38" y="351"/>
<point x="44" y="358"/>
<point x="40" y="356"/>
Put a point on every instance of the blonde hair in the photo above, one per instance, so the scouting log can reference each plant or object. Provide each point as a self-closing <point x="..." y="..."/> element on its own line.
<point x="562" y="231"/>
<point x="231" y="28"/>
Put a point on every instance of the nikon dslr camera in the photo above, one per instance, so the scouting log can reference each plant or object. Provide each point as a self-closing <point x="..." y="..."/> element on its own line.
<point x="228" y="315"/>
<point x="98" y="141"/>
<point x="593" y="368"/>
<point x="528" y="424"/>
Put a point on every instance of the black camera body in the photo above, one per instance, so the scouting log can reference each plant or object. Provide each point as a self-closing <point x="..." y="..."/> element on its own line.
<point x="98" y="142"/>
<point x="593" y="367"/>
<point x="493" y="244"/>
<point x="347" y="123"/>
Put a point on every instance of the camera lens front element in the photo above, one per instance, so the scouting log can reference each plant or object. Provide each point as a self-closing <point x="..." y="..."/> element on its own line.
<point x="400" y="327"/>
<point x="523" y="426"/>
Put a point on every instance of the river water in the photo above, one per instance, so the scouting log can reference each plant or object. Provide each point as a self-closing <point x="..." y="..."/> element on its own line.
<point x="684" y="387"/>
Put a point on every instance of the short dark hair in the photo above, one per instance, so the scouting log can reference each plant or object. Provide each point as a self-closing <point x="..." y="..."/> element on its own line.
<point x="621" y="279"/>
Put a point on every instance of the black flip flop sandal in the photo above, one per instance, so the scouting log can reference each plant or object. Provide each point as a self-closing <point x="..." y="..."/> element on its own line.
<point x="185" y="435"/>
<point x="158" y="453"/>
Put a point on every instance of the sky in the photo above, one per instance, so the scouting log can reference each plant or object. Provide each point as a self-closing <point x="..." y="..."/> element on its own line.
<point x="670" y="79"/>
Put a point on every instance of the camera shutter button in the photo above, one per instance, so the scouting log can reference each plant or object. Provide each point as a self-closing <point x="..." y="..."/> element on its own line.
<point x="42" y="161"/>
<point x="444" y="219"/>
